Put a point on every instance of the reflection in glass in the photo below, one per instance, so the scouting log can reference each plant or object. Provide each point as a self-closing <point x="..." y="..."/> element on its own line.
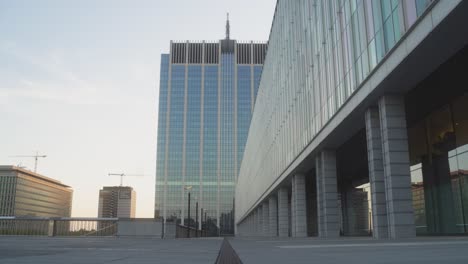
<point x="438" y="173"/>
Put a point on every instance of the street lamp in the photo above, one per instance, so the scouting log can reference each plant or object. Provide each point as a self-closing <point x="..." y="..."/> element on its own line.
<point x="201" y="222"/>
<point x="196" y="218"/>
<point x="188" y="188"/>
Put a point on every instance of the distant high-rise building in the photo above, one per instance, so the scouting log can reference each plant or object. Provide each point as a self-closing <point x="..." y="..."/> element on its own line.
<point x="207" y="96"/>
<point x="26" y="193"/>
<point x="117" y="201"/>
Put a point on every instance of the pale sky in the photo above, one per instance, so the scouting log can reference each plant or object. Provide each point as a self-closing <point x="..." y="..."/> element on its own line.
<point x="79" y="82"/>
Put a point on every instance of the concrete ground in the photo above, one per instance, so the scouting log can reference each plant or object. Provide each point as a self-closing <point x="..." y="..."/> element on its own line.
<point x="425" y="250"/>
<point x="107" y="250"/>
<point x="353" y="250"/>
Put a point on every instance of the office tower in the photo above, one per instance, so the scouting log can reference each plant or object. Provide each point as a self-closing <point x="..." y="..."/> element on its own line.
<point x="207" y="95"/>
<point x="360" y="92"/>
<point x="117" y="201"/>
<point x="26" y="193"/>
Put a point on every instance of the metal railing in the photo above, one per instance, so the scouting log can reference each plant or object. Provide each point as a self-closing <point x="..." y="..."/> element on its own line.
<point x="40" y="226"/>
<point x="187" y="232"/>
<point x="23" y="226"/>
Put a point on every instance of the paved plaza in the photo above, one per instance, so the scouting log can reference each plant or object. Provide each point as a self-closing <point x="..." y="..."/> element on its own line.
<point x="425" y="250"/>
<point x="107" y="250"/>
<point x="353" y="250"/>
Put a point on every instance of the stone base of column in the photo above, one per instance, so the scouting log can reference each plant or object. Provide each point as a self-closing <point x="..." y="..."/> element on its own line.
<point x="396" y="167"/>
<point x="273" y="215"/>
<point x="283" y="213"/>
<point x="299" y="206"/>
<point x="327" y="198"/>
<point x="266" y="219"/>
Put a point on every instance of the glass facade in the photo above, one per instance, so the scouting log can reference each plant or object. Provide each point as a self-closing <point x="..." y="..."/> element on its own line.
<point x="161" y="150"/>
<point x="439" y="171"/>
<point x="22" y="194"/>
<point x="7" y="195"/>
<point x="207" y="95"/>
<point x="319" y="54"/>
<point x="438" y="146"/>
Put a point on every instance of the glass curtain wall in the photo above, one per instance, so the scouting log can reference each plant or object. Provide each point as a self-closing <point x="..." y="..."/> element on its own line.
<point x="206" y="101"/>
<point x="319" y="54"/>
<point x="210" y="147"/>
<point x="192" y="141"/>
<point x="161" y="149"/>
<point x="7" y="195"/>
<point x="33" y="198"/>
<point x="439" y="171"/>
<point x="173" y="191"/>
<point x="227" y="143"/>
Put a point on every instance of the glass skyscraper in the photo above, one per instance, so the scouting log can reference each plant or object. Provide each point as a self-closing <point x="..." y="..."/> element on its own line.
<point x="207" y="95"/>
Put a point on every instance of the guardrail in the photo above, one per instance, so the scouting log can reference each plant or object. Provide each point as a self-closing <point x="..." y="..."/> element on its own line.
<point x="86" y="226"/>
<point x="187" y="232"/>
<point x="41" y="226"/>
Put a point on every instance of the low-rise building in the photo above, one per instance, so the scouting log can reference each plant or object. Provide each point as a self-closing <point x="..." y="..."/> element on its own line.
<point x="26" y="193"/>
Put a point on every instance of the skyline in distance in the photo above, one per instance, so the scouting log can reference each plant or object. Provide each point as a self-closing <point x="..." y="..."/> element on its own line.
<point x="80" y="83"/>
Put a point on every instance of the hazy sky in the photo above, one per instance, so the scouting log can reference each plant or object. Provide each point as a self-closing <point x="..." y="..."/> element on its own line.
<point x="79" y="82"/>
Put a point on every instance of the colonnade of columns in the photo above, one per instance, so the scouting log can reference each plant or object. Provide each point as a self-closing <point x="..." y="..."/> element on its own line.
<point x="284" y="213"/>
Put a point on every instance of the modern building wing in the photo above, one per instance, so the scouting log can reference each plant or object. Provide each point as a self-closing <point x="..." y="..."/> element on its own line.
<point x="360" y="123"/>
<point x="207" y="96"/>
<point x="26" y="193"/>
<point x="117" y="201"/>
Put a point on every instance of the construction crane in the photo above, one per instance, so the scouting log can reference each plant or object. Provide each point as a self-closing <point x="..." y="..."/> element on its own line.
<point x="32" y="156"/>
<point x="124" y="175"/>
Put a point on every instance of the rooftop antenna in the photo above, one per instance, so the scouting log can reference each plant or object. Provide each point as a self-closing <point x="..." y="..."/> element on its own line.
<point x="227" y="26"/>
<point x="32" y="156"/>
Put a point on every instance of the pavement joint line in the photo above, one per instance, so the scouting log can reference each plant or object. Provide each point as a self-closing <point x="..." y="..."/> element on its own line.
<point x="97" y="249"/>
<point x="396" y="244"/>
<point x="310" y="240"/>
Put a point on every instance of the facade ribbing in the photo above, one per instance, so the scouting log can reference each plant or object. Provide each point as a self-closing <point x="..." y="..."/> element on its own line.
<point x="365" y="99"/>
<point x="207" y="95"/>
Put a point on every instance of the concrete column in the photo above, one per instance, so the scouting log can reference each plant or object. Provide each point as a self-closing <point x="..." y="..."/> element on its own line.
<point x="396" y="167"/>
<point x="298" y="203"/>
<point x="327" y="198"/>
<point x="376" y="174"/>
<point x="246" y="226"/>
<point x="260" y="220"/>
<point x="256" y="222"/>
<point x="273" y="215"/>
<point x="250" y="225"/>
<point x="291" y="213"/>
<point x="318" y="190"/>
<point x="266" y="219"/>
<point x="283" y="212"/>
